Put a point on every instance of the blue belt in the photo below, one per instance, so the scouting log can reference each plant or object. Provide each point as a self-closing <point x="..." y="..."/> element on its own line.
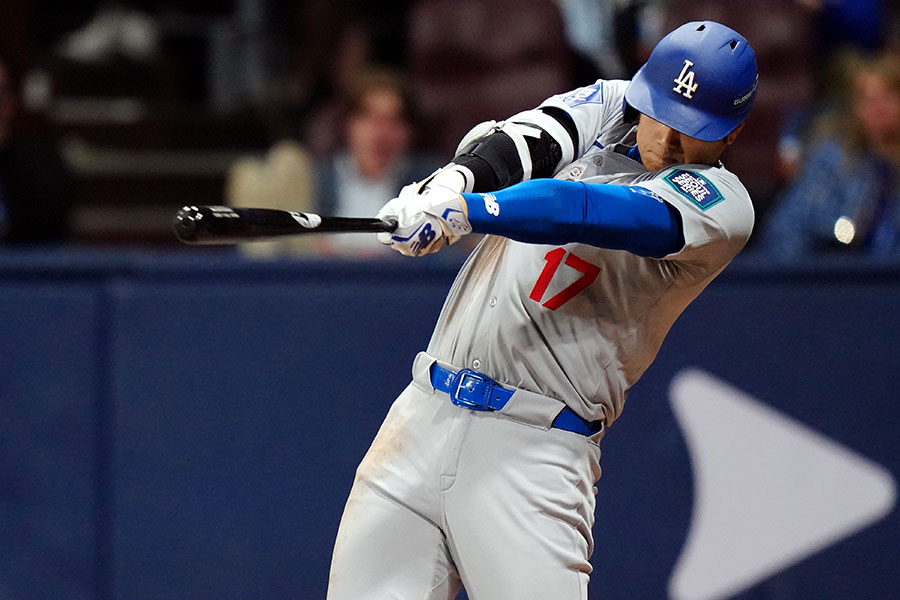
<point x="476" y="391"/>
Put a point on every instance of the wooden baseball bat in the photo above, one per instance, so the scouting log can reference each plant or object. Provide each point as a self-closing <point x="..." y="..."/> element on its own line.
<point x="228" y="225"/>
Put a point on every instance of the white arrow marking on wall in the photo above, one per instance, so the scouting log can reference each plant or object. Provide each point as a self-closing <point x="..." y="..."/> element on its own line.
<point x="768" y="490"/>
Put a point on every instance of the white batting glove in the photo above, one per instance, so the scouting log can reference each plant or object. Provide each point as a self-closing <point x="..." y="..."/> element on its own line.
<point x="426" y="222"/>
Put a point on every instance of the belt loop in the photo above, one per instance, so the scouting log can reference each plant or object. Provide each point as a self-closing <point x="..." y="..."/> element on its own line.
<point x="421" y="372"/>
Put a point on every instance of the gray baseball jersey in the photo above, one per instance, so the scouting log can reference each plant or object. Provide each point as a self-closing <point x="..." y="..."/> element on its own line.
<point x="579" y="323"/>
<point x="501" y="501"/>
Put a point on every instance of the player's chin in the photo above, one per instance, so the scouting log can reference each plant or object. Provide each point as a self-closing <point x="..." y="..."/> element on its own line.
<point x="658" y="163"/>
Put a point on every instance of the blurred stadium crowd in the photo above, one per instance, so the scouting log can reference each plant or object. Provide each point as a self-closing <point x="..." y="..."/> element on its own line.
<point x="115" y="114"/>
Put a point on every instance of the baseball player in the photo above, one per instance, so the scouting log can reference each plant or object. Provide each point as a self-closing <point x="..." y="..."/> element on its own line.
<point x="607" y="212"/>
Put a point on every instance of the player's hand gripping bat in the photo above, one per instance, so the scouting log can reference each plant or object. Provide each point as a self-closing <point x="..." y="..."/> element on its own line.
<point x="227" y="225"/>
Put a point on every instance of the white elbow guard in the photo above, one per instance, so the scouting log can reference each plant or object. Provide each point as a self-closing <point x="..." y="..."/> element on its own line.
<point x="476" y="133"/>
<point x="533" y="123"/>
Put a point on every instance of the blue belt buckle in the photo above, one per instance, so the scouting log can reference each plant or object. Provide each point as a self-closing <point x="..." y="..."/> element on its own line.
<point x="468" y="390"/>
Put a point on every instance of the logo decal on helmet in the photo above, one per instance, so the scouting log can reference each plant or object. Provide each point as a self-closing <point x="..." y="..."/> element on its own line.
<point x="685" y="81"/>
<point x="749" y="94"/>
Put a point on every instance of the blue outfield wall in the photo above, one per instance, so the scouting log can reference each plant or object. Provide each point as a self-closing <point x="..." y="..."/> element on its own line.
<point x="187" y="426"/>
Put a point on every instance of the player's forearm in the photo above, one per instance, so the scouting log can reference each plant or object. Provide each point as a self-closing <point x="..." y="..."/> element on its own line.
<point x="553" y="211"/>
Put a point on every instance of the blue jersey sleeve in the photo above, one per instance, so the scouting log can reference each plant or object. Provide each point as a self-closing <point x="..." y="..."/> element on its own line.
<point x="556" y="211"/>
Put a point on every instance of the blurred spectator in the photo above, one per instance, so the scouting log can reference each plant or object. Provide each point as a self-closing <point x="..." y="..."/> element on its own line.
<point x="842" y="30"/>
<point x="847" y="195"/>
<point x="376" y="159"/>
<point x="34" y="183"/>
<point x="376" y="156"/>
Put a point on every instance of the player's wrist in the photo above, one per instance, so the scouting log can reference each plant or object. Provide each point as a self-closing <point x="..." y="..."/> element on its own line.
<point x="457" y="178"/>
<point x="452" y="211"/>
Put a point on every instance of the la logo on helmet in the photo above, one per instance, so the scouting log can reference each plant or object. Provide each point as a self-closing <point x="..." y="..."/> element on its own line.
<point x="685" y="81"/>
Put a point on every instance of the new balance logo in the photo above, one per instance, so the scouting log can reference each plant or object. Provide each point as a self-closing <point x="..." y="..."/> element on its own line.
<point x="491" y="205"/>
<point x="685" y="80"/>
<point x="426" y="236"/>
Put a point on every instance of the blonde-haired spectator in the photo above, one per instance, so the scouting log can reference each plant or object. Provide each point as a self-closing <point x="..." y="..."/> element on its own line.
<point x="846" y="196"/>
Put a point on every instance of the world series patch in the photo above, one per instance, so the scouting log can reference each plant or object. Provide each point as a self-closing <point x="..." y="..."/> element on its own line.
<point x="695" y="187"/>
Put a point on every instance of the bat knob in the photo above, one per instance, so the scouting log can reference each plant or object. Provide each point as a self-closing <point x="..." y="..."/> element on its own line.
<point x="186" y="222"/>
<point x="390" y="224"/>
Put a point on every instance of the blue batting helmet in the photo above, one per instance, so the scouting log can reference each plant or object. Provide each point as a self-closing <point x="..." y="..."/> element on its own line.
<point x="700" y="80"/>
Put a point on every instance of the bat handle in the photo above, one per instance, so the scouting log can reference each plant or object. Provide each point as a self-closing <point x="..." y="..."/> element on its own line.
<point x="390" y="224"/>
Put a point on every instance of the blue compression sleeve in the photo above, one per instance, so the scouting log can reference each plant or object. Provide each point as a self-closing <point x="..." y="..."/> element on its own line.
<point x="556" y="211"/>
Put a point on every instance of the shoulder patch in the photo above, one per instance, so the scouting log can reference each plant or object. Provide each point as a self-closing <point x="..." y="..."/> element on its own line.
<point x="695" y="187"/>
<point x="592" y="94"/>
